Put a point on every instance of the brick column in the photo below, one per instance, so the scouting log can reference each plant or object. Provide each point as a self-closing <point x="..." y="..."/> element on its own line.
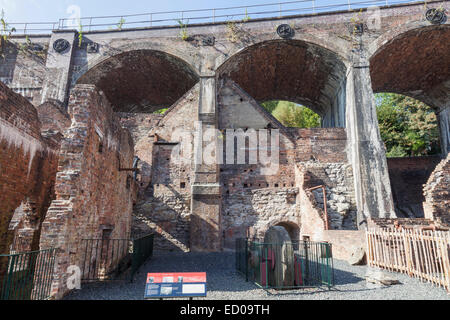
<point x="366" y="149"/>
<point x="57" y="79"/>
<point x="205" y="228"/>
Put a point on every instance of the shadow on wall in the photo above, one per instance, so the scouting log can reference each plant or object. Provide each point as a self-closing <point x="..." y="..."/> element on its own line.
<point x="165" y="215"/>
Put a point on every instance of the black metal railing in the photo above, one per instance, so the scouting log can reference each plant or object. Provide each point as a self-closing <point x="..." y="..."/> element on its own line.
<point x="27" y="275"/>
<point x="287" y="265"/>
<point x="114" y="259"/>
<point x="142" y="251"/>
<point x="104" y="259"/>
<point x="190" y="16"/>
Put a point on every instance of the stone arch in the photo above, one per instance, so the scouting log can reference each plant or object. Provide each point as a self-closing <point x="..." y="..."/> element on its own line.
<point x="416" y="51"/>
<point x="142" y="80"/>
<point x="412" y="61"/>
<point x="291" y="227"/>
<point x="292" y="70"/>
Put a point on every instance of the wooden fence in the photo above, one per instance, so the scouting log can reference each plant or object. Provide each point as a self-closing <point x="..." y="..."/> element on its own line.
<point x="420" y="254"/>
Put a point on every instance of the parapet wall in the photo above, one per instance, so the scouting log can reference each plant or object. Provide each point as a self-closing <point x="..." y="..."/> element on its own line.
<point x="94" y="198"/>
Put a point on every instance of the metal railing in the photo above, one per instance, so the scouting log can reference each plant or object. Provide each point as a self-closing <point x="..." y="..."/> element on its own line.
<point x="142" y="251"/>
<point x="27" y="276"/>
<point x="114" y="259"/>
<point x="212" y="15"/>
<point x="290" y="265"/>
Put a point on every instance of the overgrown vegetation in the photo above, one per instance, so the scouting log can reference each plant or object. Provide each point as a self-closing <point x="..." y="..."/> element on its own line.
<point x="291" y="114"/>
<point x="5" y="33"/>
<point x="408" y="127"/>
<point x="234" y="30"/>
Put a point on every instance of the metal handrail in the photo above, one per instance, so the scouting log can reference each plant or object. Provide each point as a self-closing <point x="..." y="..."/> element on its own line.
<point x="217" y="15"/>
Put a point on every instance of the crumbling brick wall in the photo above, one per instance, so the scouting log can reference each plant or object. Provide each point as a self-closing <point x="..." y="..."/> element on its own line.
<point x="407" y="177"/>
<point x="28" y="163"/>
<point x="92" y="193"/>
<point x="437" y="194"/>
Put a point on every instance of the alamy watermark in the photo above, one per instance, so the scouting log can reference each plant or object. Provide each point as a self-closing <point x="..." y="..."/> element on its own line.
<point x="211" y="146"/>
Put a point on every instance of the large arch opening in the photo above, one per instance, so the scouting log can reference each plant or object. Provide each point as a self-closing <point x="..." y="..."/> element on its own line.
<point x="142" y="81"/>
<point x="411" y="80"/>
<point x="295" y="71"/>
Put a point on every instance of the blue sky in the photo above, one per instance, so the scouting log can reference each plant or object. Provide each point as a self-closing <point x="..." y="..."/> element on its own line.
<point x="52" y="10"/>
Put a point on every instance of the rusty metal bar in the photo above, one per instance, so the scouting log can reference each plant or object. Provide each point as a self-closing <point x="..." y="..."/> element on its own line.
<point x="325" y="212"/>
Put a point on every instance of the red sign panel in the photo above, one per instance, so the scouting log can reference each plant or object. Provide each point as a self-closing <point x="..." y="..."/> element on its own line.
<point x="190" y="277"/>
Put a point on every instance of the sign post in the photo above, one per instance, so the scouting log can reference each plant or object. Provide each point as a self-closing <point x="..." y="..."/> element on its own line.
<point x="170" y="285"/>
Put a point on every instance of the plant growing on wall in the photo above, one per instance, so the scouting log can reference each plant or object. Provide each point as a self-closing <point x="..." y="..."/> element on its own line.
<point x="5" y="33"/>
<point x="183" y="30"/>
<point x="80" y="33"/>
<point x="234" y="31"/>
<point x="120" y="23"/>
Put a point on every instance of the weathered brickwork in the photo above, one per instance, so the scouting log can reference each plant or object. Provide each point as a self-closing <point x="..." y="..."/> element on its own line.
<point x="408" y="177"/>
<point x="220" y="82"/>
<point x="94" y="198"/>
<point x="164" y="204"/>
<point x="437" y="194"/>
<point x="28" y="162"/>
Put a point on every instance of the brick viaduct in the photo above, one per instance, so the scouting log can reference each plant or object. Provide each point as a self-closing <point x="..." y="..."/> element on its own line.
<point x="332" y="63"/>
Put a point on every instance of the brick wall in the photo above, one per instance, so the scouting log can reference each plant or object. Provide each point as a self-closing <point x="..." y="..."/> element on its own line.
<point x="28" y="163"/>
<point x="92" y="194"/>
<point x="407" y="177"/>
<point x="345" y="242"/>
<point x="437" y="194"/>
<point x="164" y="204"/>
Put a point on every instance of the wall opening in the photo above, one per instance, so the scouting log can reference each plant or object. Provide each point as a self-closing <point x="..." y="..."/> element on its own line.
<point x="410" y="132"/>
<point x="293" y="115"/>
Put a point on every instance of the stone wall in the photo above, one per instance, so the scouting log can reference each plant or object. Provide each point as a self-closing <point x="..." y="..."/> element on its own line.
<point x="437" y="194"/>
<point x="407" y="177"/>
<point x="23" y="68"/>
<point x="28" y="162"/>
<point x="338" y="181"/>
<point x="94" y="198"/>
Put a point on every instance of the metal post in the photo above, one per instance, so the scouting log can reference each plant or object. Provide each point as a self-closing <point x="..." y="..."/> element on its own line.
<point x="246" y="259"/>
<point x="90" y="24"/>
<point x="280" y="9"/>
<point x="151" y="19"/>
<point x="313" y="6"/>
<point x="25" y="28"/>
<point x="349" y="6"/>
<point x="214" y="15"/>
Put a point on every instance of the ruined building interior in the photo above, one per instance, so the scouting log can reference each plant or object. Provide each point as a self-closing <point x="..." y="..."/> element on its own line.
<point x="84" y="155"/>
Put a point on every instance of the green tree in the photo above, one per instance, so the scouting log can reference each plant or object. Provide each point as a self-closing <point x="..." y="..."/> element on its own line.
<point x="408" y="127"/>
<point x="292" y="115"/>
<point x="161" y="111"/>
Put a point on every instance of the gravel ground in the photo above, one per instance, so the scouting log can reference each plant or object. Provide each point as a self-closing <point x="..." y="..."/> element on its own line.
<point x="224" y="283"/>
